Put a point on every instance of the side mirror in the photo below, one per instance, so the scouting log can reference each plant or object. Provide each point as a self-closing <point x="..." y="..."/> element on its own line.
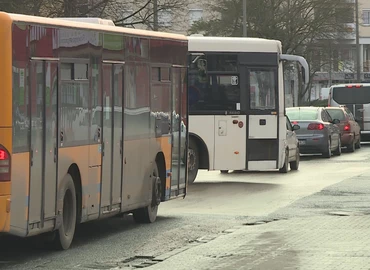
<point x="296" y="127"/>
<point x="336" y="121"/>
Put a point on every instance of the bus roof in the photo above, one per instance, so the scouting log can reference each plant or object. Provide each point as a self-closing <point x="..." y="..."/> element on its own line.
<point x="233" y="44"/>
<point x="349" y="84"/>
<point x="88" y="26"/>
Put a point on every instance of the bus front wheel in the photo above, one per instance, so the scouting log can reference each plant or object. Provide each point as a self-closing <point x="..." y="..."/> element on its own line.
<point x="193" y="161"/>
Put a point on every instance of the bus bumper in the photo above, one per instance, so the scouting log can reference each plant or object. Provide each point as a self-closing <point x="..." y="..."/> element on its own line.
<point x="4" y="213"/>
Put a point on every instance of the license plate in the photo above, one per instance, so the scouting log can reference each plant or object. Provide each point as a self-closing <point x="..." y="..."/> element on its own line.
<point x="302" y="142"/>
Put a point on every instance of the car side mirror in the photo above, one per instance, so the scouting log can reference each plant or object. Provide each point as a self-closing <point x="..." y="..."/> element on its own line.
<point x="336" y="121"/>
<point x="296" y="127"/>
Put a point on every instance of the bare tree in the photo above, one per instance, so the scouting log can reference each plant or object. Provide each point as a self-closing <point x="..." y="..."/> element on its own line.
<point x="149" y="14"/>
<point x="152" y="14"/>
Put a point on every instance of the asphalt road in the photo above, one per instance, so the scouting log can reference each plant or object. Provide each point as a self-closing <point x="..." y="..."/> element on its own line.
<point x="214" y="203"/>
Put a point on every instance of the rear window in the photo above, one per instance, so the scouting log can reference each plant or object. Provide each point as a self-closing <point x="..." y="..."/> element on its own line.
<point x="302" y="114"/>
<point x="337" y="114"/>
<point x="353" y="95"/>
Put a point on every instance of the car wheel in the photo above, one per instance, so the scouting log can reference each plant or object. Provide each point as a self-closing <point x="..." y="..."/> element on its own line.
<point x="338" y="151"/>
<point x="294" y="165"/>
<point x="351" y="148"/>
<point x="224" y="171"/>
<point x="358" y="144"/>
<point x="285" y="168"/>
<point x="327" y="153"/>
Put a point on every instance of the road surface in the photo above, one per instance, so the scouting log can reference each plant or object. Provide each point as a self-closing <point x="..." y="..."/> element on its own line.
<point x="215" y="202"/>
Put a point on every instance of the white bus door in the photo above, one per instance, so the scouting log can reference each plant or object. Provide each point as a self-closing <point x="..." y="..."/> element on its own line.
<point x="263" y="122"/>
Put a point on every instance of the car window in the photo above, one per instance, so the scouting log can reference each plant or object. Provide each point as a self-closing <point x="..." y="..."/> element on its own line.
<point x="330" y="119"/>
<point x="302" y="114"/>
<point x="337" y="114"/>
<point x="324" y="117"/>
<point x="288" y="124"/>
<point x="350" y="115"/>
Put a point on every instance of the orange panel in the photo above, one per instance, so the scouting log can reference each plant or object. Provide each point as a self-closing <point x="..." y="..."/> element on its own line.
<point x="5" y="188"/>
<point x="4" y="213"/>
<point x="6" y="70"/>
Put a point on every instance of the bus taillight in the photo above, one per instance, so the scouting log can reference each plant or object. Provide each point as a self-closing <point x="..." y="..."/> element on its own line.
<point x="4" y="165"/>
<point x="356" y="85"/>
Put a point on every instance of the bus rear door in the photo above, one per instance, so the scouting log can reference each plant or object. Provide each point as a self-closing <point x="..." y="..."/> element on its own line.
<point x="262" y="123"/>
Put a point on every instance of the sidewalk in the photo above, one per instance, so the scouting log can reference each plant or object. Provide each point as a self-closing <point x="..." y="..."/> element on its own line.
<point x="320" y="242"/>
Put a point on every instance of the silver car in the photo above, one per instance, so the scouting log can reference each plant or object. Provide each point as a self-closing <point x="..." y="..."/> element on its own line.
<point x="292" y="147"/>
<point x="318" y="132"/>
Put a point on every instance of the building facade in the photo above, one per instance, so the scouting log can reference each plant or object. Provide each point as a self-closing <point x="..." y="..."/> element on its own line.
<point x="342" y="65"/>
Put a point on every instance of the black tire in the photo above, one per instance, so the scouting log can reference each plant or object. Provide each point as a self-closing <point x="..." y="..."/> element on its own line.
<point x="351" y="147"/>
<point x="327" y="153"/>
<point x="149" y="213"/>
<point x="193" y="161"/>
<point x="285" y="168"/>
<point x="338" y="151"/>
<point x="294" y="165"/>
<point x="224" y="171"/>
<point x="63" y="237"/>
<point x="358" y="144"/>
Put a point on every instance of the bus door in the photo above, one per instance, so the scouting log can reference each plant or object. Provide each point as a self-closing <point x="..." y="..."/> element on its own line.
<point x="262" y="123"/>
<point x="44" y="150"/>
<point x="179" y="131"/>
<point x="112" y="137"/>
<point x="230" y="128"/>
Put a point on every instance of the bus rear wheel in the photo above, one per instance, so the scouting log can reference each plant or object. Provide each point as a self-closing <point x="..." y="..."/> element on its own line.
<point x="149" y="214"/>
<point x="63" y="237"/>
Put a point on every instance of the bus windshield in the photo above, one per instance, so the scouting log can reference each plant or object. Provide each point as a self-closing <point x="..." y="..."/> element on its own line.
<point x="353" y="95"/>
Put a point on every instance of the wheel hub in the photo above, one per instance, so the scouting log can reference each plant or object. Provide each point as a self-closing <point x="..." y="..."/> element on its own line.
<point x="156" y="191"/>
<point x="191" y="159"/>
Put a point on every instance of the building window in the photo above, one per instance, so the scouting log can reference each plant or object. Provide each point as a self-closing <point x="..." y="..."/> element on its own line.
<point x="366" y="16"/>
<point x="165" y="18"/>
<point x="195" y="15"/>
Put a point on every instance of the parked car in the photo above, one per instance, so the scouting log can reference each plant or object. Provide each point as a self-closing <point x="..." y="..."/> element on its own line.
<point x="292" y="145"/>
<point x="349" y="128"/>
<point x="318" y="132"/>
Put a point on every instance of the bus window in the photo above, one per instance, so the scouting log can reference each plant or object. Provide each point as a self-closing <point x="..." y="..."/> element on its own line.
<point x="353" y="95"/>
<point x="222" y="62"/>
<point x="218" y="93"/>
<point x="262" y="89"/>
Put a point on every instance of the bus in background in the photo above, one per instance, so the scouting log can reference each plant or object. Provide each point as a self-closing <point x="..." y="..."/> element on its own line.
<point x="236" y="104"/>
<point x="90" y="124"/>
<point x="356" y="97"/>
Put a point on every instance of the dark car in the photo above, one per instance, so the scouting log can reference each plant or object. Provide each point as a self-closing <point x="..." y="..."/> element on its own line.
<point x="318" y="132"/>
<point x="350" y="129"/>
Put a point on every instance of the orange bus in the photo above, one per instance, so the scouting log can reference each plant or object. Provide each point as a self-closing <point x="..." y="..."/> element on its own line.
<point x="92" y="123"/>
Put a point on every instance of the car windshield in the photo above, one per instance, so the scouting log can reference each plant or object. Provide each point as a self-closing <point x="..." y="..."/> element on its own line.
<point x="302" y="114"/>
<point x="337" y="114"/>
